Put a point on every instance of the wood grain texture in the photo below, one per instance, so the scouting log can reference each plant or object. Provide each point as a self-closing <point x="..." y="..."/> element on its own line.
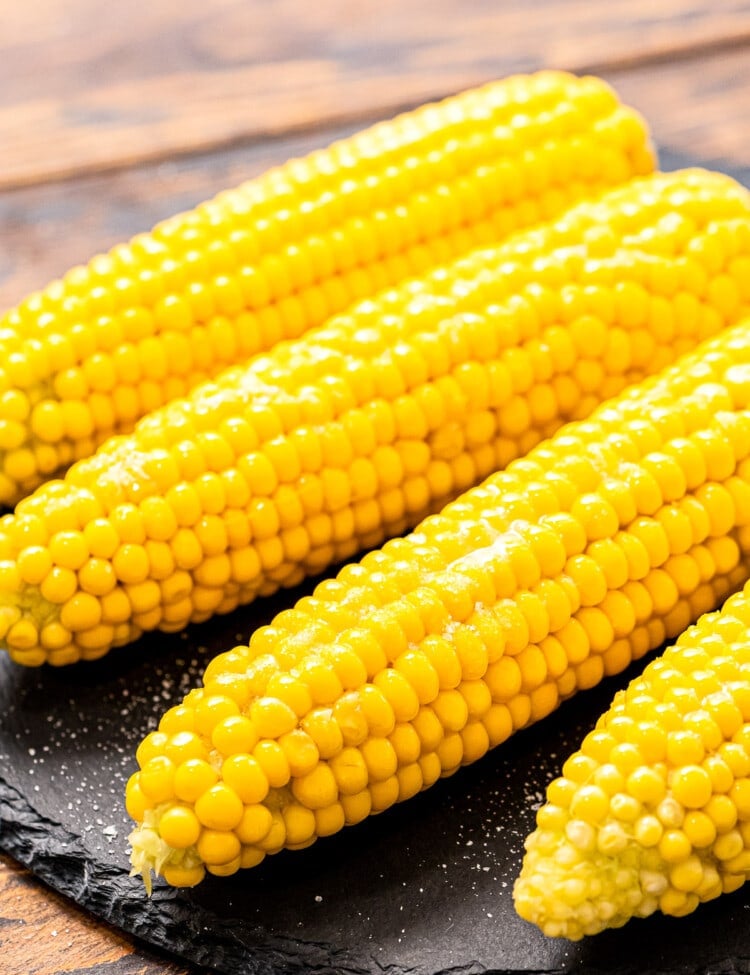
<point x="47" y="229"/>
<point x="696" y="107"/>
<point x="42" y="933"/>
<point x="80" y="91"/>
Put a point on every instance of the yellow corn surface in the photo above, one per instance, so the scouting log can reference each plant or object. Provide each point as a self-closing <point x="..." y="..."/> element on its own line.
<point x="653" y="812"/>
<point x="582" y="556"/>
<point x="355" y="432"/>
<point x="139" y="326"/>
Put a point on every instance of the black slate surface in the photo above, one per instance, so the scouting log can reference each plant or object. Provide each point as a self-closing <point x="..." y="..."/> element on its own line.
<point x="423" y="889"/>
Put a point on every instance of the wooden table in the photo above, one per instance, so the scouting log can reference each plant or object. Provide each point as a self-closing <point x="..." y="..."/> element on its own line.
<point x="115" y="116"/>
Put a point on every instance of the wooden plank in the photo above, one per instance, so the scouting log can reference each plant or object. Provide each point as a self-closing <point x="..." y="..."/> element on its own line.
<point x="47" y="229"/>
<point x="82" y="92"/>
<point x="42" y="933"/>
<point x="697" y="108"/>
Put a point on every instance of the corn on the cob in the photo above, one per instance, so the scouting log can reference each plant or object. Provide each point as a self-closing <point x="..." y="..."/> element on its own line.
<point x="145" y="323"/>
<point x="653" y="812"/>
<point x="604" y="540"/>
<point x="356" y="431"/>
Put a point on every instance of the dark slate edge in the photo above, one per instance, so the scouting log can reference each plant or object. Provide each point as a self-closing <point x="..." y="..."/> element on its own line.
<point x="173" y="924"/>
<point x="58" y="857"/>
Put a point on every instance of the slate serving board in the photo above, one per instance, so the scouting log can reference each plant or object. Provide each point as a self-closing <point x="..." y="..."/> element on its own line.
<point x="425" y="888"/>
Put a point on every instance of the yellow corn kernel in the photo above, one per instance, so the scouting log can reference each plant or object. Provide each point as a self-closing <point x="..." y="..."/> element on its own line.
<point x="219" y="808"/>
<point x="180" y="876"/>
<point x="216" y="847"/>
<point x="472" y="338"/>
<point x="179" y="827"/>
<point x="664" y="770"/>
<point x="281" y="253"/>
<point x="691" y="837"/>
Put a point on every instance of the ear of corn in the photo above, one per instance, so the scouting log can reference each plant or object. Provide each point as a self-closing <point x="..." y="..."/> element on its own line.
<point x="355" y="432"/>
<point x="653" y="812"/>
<point x="143" y="324"/>
<point x="580" y="557"/>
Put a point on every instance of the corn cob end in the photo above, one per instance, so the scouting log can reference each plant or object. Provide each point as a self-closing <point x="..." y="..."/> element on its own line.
<point x="569" y="888"/>
<point x="152" y="856"/>
<point x="653" y="811"/>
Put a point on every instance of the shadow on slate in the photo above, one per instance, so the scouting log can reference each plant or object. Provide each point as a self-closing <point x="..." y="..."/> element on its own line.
<point x="425" y="888"/>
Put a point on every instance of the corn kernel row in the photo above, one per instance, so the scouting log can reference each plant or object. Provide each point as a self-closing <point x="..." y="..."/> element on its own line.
<point x="356" y="431"/>
<point x="145" y="323"/>
<point x="652" y="813"/>
<point x="580" y="557"/>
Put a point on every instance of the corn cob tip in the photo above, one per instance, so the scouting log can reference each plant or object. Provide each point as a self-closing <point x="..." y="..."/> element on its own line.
<point x="653" y="811"/>
<point x="144" y="855"/>
<point x="151" y="856"/>
<point x="569" y="888"/>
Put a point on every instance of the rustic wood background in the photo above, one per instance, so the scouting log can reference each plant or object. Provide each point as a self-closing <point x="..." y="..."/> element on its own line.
<point x="113" y="116"/>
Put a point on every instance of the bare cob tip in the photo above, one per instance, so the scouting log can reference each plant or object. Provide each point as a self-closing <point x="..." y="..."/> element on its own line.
<point x="19" y="613"/>
<point x="146" y="855"/>
<point x="151" y="856"/>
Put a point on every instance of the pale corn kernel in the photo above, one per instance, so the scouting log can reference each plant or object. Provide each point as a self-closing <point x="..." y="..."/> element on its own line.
<point x="690" y="843"/>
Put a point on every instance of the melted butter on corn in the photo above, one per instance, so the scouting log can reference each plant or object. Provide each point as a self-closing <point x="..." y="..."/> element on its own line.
<point x="653" y="812"/>
<point x="137" y="327"/>
<point x="355" y="432"/>
<point x="593" y="549"/>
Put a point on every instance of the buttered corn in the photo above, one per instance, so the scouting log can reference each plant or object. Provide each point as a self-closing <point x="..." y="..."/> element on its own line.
<point x="355" y="432"/>
<point x="580" y="557"/>
<point x="653" y="812"/>
<point x="139" y="326"/>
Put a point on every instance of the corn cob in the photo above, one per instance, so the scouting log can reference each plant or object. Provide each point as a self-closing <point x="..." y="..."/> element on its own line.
<point x="145" y="323"/>
<point x="356" y="431"/>
<point x="590" y="551"/>
<point x="653" y="812"/>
